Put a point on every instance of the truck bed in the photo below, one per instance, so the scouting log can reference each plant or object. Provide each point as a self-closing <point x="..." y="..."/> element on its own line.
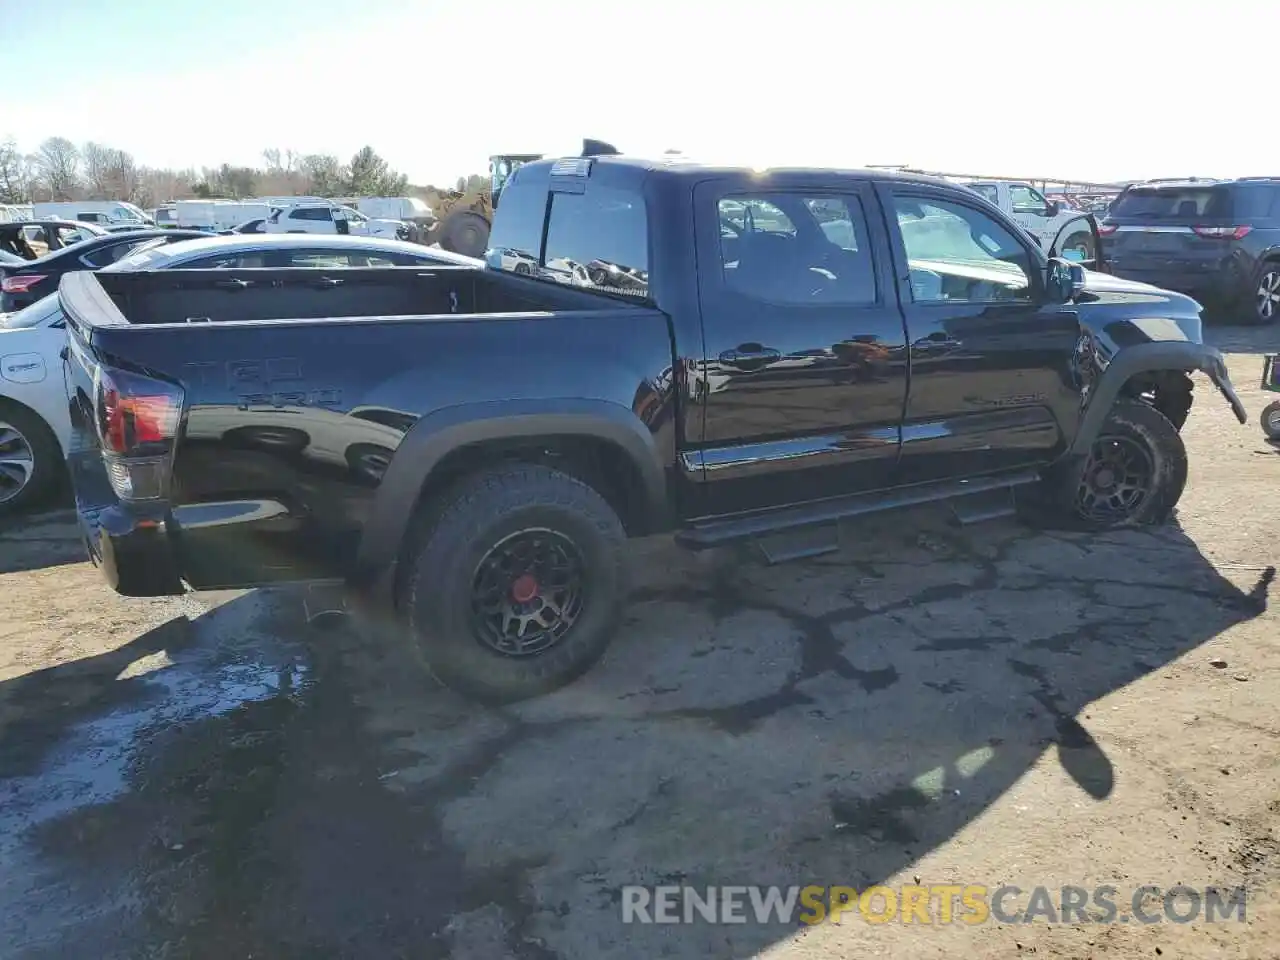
<point x="296" y="393"/>
<point x="257" y="295"/>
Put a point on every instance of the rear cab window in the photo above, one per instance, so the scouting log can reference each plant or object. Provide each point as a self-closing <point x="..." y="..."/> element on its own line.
<point x="596" y="233"/>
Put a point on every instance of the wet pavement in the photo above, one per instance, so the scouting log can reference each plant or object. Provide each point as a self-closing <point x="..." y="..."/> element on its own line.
<point x="211" y="777"/>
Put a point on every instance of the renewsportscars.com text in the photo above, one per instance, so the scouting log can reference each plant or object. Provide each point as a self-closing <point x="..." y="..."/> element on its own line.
<point x="935" y="904"/>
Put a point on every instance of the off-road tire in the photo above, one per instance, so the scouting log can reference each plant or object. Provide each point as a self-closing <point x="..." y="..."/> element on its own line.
<point x="454" y="536"/>
<point x="1270" y="420"/>
<point x="47" y="472"/>
<point x="1139" y="423"/>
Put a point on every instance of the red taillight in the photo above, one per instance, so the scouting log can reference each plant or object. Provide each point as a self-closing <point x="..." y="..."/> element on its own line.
<point x="136" y="412"/>
<point x="1222" y="233"/>
<point x="20" y="284"/>
<point x="1106" y="229"/>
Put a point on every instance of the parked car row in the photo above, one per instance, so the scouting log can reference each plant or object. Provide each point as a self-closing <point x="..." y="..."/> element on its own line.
<point x="392" y="217"/>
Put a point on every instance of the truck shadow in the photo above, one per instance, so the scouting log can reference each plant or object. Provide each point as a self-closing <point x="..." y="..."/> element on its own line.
<point x="828" y="722"/>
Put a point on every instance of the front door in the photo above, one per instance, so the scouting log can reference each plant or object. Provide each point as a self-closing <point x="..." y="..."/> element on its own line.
<point x="804" y="370"/>
<point x="992" y="379"/>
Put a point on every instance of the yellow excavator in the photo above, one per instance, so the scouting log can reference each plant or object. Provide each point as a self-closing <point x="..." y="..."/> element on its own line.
<point x="463" y="219"/>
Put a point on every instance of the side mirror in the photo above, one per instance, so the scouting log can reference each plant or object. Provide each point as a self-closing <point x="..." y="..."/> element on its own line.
<point x="1064" y="280"/>
<point x="1054" y="208"/>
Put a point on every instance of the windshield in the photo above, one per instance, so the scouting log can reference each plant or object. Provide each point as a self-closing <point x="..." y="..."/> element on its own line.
<point x="32" y="316"/>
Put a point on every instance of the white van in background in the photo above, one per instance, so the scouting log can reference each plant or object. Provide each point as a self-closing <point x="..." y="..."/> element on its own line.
<point x="104" y="213"/>
<point x="218" y="214"/>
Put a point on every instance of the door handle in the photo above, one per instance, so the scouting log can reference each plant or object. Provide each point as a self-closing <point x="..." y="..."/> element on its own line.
<point x="937" y="341"/>
<point x="749" y="356"/>
<point x="326" y="283"/>
<point x="233" y="284"/>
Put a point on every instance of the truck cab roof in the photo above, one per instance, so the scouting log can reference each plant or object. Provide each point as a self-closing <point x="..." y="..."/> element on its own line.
<point x="678" y="166"/>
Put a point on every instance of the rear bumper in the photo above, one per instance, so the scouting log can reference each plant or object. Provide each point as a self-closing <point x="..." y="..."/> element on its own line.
<point x="129" y="543"/>
<point x="135" y="556"/>
<point x="1225" y="283"/>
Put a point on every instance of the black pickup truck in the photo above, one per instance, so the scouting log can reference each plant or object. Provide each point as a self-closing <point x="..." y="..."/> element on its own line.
<point x="650" y="346"/>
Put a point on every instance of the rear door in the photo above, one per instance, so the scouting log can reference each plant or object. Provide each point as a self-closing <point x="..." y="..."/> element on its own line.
<point x="804" y="373"/>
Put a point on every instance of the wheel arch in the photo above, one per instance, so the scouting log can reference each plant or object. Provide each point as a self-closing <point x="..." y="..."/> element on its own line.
<point x="1136" y="365"/>
<point x="600" y="442"/>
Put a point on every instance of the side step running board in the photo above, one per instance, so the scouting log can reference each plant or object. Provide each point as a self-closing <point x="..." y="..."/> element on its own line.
<point x="715" y="533"/>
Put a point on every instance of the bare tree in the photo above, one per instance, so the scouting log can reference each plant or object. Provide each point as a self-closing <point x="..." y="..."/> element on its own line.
<point x="324" y="174"/>
<point x="122" y="175"/>
<point x="59" y="164"/>
<point x="59" y="171"/>
<point x="15" y="180"/>
<point x="96" y="162"/>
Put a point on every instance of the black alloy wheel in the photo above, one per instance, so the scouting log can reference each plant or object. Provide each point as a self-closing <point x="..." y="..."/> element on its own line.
<point x="527" y="592"/>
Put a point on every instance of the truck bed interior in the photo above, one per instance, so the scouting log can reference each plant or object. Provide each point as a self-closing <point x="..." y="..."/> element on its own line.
<point x="307" y="293"/>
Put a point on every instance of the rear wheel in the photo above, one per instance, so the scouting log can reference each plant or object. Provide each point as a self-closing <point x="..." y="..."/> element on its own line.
<point x="517" y="584"/>
<point x="1271" y="420"/>
<point x="1266" y="293"/>
<point x="1134" y="474"/>
<point x="30" y="461"/>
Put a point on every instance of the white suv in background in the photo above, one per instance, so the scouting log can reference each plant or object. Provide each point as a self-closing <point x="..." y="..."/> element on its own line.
<point x="330" y="218"/>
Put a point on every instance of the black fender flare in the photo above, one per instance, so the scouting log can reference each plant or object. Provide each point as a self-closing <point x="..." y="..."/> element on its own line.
<point x="1143" y="358"/>
<point x="442" y="432"/>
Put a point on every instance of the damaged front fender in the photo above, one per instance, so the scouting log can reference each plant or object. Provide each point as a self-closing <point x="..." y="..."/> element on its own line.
<point x="1138" y="359"/>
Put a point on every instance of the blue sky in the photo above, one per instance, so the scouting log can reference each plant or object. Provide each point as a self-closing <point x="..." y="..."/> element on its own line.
<point x="1087" y="90"/>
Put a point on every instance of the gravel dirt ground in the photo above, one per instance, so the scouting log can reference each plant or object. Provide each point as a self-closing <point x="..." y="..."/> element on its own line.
<point x="208" y="776"/>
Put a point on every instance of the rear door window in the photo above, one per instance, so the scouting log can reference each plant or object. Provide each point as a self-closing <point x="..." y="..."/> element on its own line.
<point x="598" y="239"/>
<point x="793" y="249"/>
<point x="1173" y="203"/>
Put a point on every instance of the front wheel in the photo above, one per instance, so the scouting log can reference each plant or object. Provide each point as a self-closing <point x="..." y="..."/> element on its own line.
<point x="518" y="583"/>
<point x="1133" y="476"/>
<point x="1271" y="420"/>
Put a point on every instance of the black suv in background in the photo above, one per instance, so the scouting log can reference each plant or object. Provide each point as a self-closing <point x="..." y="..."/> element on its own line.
<point x="1217" y="240"/>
